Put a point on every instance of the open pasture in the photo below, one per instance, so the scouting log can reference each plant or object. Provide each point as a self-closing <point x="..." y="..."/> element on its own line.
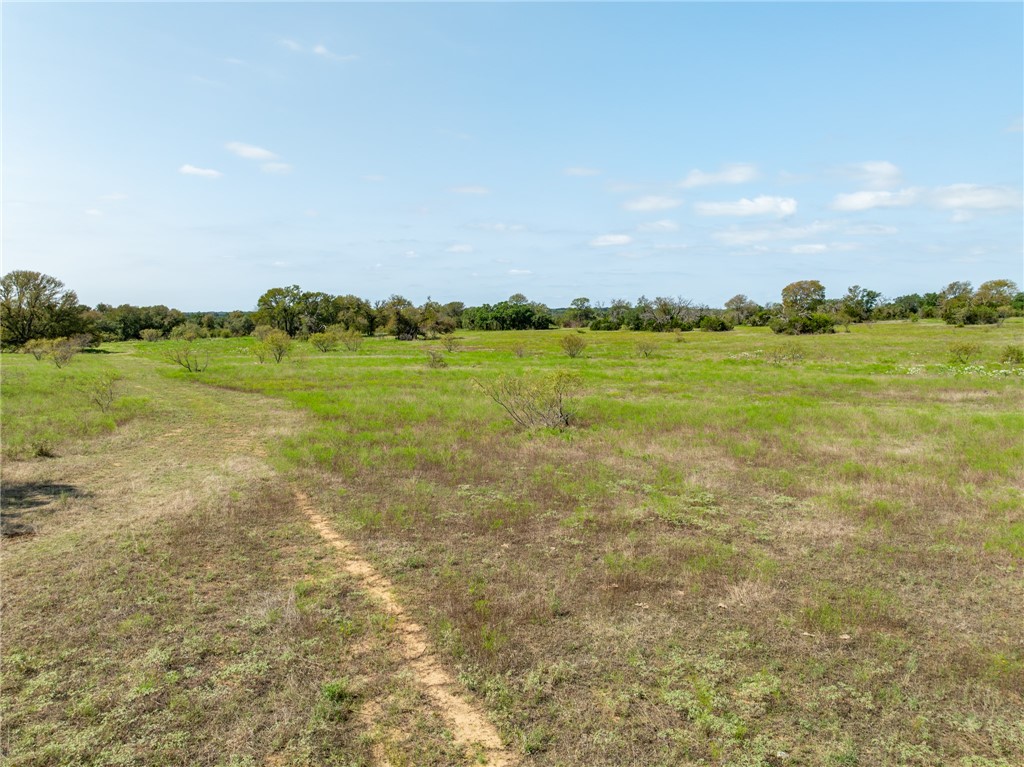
<point x="747" y="549"/>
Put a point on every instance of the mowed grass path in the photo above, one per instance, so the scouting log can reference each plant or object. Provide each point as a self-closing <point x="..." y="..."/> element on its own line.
<point x="751" y="550"/>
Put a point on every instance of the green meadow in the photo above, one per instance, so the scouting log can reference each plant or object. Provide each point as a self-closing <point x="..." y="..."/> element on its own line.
<point x="745" y="549"/>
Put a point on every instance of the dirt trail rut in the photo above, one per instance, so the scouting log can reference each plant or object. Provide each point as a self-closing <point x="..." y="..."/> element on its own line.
<point x="469" y="726"/>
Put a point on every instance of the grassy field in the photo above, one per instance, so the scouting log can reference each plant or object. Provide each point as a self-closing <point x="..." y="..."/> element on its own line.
<point x="748" y="550"/>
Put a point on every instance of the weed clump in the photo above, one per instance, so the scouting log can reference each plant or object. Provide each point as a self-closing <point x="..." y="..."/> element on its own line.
<point x="962" y="352"/>
<point x="573" y="345"/>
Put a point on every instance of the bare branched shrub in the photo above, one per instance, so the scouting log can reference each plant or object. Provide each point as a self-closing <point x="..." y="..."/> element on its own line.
<point x="573" y="345"/>
<point x="540" y="400"/>
<point x="187" y="356"/>
<point x="435" y="359"/>
<point x="63" y="349"/>
<point x="352" y="339"/>
<point x="645" y="348"/>
<point x="450" y="343"/>
<point x="37" y="347"/>
<point x="963" y="352"/>
<point x="102" y="389"/>
<point x="151" y="334"/>
<point x="519" y="350"/>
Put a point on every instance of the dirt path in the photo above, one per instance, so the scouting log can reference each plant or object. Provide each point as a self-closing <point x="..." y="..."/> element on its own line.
<point x="469" y="725"/>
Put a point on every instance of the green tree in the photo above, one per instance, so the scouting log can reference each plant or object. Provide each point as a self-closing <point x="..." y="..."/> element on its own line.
<point x="995" y="293"/>
<point x="802" y="297"/>
<point x="281" y="308"/>
<point x="34" y="305"/>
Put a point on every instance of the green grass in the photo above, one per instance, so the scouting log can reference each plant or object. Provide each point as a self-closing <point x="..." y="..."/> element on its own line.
<point x="748" y="544"/>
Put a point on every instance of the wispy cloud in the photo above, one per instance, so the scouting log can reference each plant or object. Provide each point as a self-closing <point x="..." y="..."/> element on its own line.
<point x="733" y="173"/>
<point x="606" y="240"/>
<point x="277" y="168"/>
<point x="519" y="272"/>
<point x="192" y="170"/>
<point x="94" y="212"/>
<point x="114" y="197"/>
<point x="867" y="200"/>
<point x="759" y="206"/>
<point x="319" y="49"/>
<point x="477" y="190"/>
<point x="874" y="174"/>
<point x="975" y="197"/>
<point x="739" y="237"/>
<point x="459" y="247"/>
<point x="652" y="202"/>
<point x="582" y="172"/>
<point x="322" y="51"/>
<point x="249" y="152"/>
<point x="498" y="226"/>
<point x="664" y="225"/>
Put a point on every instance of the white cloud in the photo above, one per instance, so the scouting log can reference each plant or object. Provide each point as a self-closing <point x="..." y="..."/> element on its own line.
<point x="321" y="50"/>
<point x="114" y="197"/>
<point x="459" y="247"/>
<point x="759" y="206"/>
<point x="94" y="212"/>
<point x="192" y="170"/>
<point x="249" y="152"/>
<point x="478" y="190"/>
<point x="664" y="225"/>
<point x="652" y="202"/>
<point x="875" y="199"/>
<point x="605" y="240"/>
<point x="291" y="44"/>
<point x="499" y="227"/>
<point x="809" y="248"/>
<point x="278" y="168"/>
<point x="871" y="229"/>
<point x="582" y="172"/>
<point x="739" y="237"/>
<point x="734" y="173"/>
<point x="519" y="272"/>
<point x="411" y="254"/>
<point x="975" y="197"/>
<point x="875" y="174"/>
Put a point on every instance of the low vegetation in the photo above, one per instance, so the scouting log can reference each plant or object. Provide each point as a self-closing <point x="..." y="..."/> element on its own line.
<point x="740" y="550"/>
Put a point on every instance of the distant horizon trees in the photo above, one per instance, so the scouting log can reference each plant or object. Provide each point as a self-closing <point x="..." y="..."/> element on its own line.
<point x="35" y="305"/>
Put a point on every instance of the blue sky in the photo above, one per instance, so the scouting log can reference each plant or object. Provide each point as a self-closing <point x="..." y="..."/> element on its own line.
<point x="196" y="155"/>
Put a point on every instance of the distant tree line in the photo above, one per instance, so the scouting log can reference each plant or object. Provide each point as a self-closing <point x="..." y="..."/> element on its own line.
<point x="38" y="306"/>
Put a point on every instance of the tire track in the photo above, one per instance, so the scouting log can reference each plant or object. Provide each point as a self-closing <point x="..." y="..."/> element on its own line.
<point x="469" y="725"/>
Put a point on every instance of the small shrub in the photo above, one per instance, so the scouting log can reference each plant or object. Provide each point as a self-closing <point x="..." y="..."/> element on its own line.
<point x="276" y="345"/>
<point x="788" y="352"/>
<point x="151" y="334"/>
<point x="451" y="343"/>
<point x="435" y="359"/>
<point x="188" y="331"/>
<point x="519" y="350"/>
<point x="962" y="352"/>
<point x="712" y="323"/>
<point x="804" y="324"/>
<point x="532" y="401"/>
<point x="1012" y="354"/>
<point x="37" y="347"/>
<point x="573" y="345"/>
<point x="62" y="350"/>
<point x="324" y="342"/>
<point x="350" y="339"/>
<point x="260" y="332"/>
<point x="102" y="389"/>
<point x="187" y="356"/>
<point x="645" y="348"/>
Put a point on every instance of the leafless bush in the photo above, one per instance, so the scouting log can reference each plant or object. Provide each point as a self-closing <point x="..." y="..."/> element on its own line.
<point x="532" y="401"/>
<point x="450" y="343"/>
<point x="645" y="348"/>
<point x="187" y="356"/>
